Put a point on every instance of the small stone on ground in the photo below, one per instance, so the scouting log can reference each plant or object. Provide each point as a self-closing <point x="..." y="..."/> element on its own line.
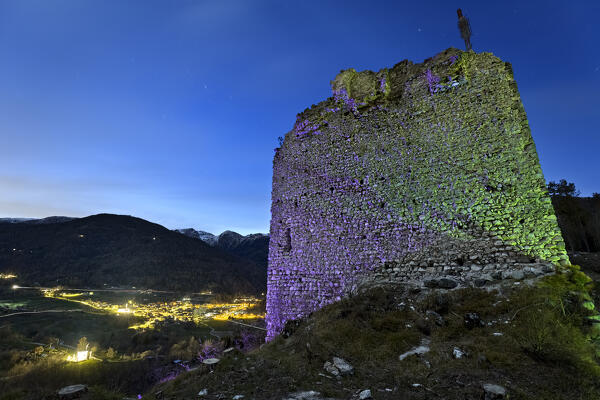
<point x="457" y="353"/>
<point x="494" y="392"/>
<point x="307" y="395"/>
<point x="72" y="392"/>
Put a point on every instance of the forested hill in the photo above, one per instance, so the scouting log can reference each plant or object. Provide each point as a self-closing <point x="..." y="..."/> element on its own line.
<point x="119" y="250"/>
<point x="579" y="221"/>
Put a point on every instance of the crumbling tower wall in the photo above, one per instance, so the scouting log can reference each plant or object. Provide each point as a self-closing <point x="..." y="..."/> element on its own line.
<point x="408" y="174"/>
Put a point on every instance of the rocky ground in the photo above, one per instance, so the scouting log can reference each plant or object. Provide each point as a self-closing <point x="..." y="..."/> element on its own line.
<point x="517" y="341"/>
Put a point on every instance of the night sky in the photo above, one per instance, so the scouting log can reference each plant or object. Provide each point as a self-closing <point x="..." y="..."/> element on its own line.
<point x="170" y="110"/>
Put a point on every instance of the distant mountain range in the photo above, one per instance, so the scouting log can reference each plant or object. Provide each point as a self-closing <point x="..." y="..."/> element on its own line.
<point x="36" y="221"/>
<point x="254" y="247"/>
<point x="118" y="250"/>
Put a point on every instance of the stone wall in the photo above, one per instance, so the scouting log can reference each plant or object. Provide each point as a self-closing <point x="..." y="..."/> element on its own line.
<point x="409" y="174"/>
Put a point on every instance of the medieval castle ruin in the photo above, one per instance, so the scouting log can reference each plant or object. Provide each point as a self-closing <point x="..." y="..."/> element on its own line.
<point x="421" y="173"/>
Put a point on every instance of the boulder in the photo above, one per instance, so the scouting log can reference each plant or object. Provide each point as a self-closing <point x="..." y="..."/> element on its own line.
<point x="441" y="283"/>
<point x="517" y="274"/>
<point x="497" y="275"/>
<point x="480" y="282"/>
<point x="364" y="395"/>
<point x="447" y="283"/>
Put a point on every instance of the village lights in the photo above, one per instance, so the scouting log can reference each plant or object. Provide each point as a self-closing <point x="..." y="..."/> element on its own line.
<point x="160" y="312"/>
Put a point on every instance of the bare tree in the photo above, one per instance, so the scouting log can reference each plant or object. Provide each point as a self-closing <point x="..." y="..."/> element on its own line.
<point x="464" y="26"/>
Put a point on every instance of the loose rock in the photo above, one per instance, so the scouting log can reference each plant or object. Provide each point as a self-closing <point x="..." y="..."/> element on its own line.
<point x="419" y="350"/>
<point x="330" y="368"/>
<point x="457" y="353"/>
<point x="365" y="394"/>
<point x="343" y="366"/>
<point x="72" y="392"/>
<point x="493" y="392"/>
<point x="307" y="395"/>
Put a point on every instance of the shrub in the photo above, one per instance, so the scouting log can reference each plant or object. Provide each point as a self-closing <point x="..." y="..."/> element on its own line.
<point x="111" y="353"/>
<point x="210" y="349"/>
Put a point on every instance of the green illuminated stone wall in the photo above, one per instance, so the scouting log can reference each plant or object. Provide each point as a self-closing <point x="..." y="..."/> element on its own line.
<point x="412" y="173"/>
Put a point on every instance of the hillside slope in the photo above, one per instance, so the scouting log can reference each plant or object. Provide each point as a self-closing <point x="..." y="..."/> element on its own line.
<point x="121" y="251"/>
<point x="406" y="343"/>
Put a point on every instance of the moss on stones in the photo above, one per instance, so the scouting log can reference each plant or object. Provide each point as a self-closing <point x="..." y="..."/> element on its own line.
<point x="400" y="169"/>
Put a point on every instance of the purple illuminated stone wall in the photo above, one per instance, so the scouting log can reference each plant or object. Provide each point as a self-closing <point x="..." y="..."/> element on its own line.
<point x="408" y="174"/>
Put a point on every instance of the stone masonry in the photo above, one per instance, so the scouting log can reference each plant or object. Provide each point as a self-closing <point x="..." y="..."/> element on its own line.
<point x="422" y="173"/>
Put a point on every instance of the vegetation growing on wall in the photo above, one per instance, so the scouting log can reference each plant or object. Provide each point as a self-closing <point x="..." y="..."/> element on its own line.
<point x="385" y="179"/>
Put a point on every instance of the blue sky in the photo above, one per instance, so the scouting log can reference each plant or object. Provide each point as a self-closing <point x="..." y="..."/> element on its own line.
<point x="170" y="110"/>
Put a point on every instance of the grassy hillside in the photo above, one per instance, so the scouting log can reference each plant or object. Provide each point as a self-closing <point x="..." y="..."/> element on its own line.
<point x="122" y="251"/>
<point x="533" y="341"/>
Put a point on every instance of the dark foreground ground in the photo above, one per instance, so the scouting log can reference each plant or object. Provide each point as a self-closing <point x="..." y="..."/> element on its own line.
<point x="34" y="347"/>
<point x="534" y="340"/>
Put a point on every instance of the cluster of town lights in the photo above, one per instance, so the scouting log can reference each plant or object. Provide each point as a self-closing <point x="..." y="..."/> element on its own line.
<point x="179" y="311"/>
<point x="7" y="276"/>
